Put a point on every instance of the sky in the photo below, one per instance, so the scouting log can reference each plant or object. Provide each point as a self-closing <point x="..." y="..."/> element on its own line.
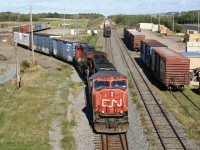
<point x="105" y="7"/>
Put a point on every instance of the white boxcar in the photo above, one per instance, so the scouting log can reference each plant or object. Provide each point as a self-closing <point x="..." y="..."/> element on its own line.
<point x="22" y="38"/>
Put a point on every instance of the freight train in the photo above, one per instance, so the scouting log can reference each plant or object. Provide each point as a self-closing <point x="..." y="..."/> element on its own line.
<point x="108" y="89"/>
<point x="168" y="66"/>
<point x="36" y="27"/>
<point x="107" y="28"/>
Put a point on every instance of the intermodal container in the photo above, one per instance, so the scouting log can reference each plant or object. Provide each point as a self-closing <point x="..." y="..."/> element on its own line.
<point x="170" y="67"/>
<point x="146" y="50"/>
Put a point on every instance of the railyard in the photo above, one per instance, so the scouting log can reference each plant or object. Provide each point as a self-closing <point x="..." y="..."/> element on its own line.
<point x="153" y="124"/>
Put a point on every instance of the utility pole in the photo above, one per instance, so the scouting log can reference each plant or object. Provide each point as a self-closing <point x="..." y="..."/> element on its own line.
<point x="173" y="23"/>
<point x="159" y="19"/>
<point x="151" y="18"/>
<point x="64" y="21"/>
<point x="32" y="42"/>
<point x="17" y="67"/>
<point x="198" y="21"/>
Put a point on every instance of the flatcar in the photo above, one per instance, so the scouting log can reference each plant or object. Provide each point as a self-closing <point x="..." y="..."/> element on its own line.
<point x="108" y="92"/>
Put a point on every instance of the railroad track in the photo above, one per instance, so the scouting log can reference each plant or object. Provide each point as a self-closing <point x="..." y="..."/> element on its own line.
<point x="108" y="49"/>
<point x="111" y="142"/>
<point x="186" y="103"/>
<point x="166" y="132"/>
<point x="195" y="105"/>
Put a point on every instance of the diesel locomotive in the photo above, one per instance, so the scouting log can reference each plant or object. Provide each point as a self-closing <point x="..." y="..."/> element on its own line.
<point x="107" y="28"/>
<point x="108" y="90"/>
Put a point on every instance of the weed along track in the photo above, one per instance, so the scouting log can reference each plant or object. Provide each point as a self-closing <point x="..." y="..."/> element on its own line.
<point x="166" y="132"/>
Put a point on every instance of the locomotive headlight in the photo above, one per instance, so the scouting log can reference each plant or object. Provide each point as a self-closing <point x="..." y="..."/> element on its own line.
<point x="121" y="111"/>
<point x="111" y="94"/>
<point x="103" y="111"/>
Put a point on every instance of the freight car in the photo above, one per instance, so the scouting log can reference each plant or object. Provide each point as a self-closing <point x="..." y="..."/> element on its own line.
<point x="43" y="43"/>
<point x="132" y="38"/>
<point x="146" y="50"/>
<point x="64" y="49"/>
<point x="107" y="29"/>
<point x="170" y="67"/>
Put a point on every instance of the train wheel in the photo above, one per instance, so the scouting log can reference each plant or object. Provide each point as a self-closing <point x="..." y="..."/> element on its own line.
<point x="169" y="88"/>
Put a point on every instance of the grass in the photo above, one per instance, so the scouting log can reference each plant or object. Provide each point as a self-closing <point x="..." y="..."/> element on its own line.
<point x="26" y="114"/>
<point x="67" y="141"/>
<point x="92" y="39"/>
<point x="55" y="22"/>
<point x="185" y="112"/>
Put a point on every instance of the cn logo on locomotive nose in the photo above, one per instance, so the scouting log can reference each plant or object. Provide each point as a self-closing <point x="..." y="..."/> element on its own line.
<point x="112" y="102"/>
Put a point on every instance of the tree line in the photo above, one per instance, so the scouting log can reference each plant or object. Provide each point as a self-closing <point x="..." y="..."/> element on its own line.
<point x="134" y="20"/>
<point x="166" y="19"/>
<point x="190" y="17"/>
<point x="10" y="16"/>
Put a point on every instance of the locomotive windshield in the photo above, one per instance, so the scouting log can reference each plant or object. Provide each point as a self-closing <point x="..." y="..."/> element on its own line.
<point x="98" y="84"/>
<point x="120" y="84"/>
